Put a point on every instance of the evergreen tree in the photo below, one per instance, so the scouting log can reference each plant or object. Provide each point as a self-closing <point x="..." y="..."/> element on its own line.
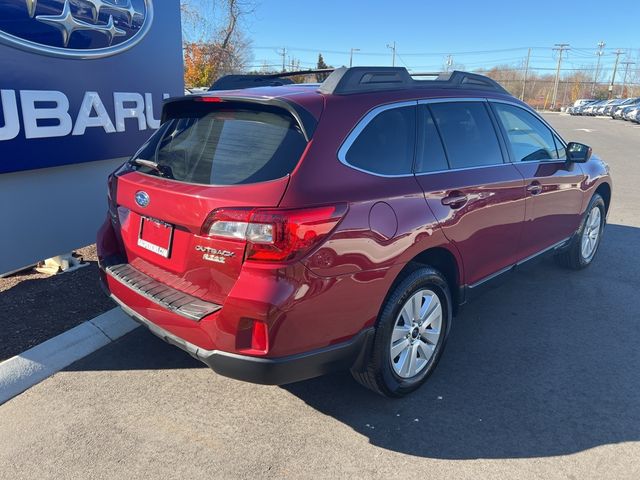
<point x="321" y="64"/>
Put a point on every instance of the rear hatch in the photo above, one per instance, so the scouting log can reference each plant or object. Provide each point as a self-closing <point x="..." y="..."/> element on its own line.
<point x="209" y="155"/>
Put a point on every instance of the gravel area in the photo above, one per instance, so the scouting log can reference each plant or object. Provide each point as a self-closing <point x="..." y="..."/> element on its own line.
<point x="35" y="307"/>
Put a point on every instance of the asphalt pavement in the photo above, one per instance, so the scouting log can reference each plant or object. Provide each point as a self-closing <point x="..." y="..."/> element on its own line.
<point x="540" y="379"/>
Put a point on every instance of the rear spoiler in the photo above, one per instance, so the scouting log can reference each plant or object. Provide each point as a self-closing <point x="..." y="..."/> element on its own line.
<point x="174" y="106"/>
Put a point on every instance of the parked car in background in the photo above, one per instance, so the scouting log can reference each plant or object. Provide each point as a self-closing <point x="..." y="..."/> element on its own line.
<point x="629" y="104"/>
<point x="633" y="114"/>
<point x="599" y="110"/>
<point x="578" y="104"/>
<point x="614" y="103"/>
<point x="589" y="109"/>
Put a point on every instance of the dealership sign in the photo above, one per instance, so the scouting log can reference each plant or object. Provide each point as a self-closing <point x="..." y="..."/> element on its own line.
<point x="83" y="80"/>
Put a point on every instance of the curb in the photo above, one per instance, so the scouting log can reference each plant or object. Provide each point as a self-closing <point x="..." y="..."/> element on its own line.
<point x="23" y="371"/>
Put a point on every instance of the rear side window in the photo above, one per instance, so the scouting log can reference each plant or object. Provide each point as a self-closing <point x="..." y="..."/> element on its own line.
<point x="468" y="134"/>
<point x="386" y="144"/>
<point x="529" y="138"/>
<point x="226" y="147"/>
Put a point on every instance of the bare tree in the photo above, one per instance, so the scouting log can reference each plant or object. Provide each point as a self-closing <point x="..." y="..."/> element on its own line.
<point x="214" y="41"/>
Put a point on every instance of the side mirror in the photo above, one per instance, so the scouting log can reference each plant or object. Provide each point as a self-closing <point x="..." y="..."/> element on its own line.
<point x="578" y="152"/>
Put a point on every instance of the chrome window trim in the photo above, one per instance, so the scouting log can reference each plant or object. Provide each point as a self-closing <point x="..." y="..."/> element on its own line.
<point x="360" y="126"/>
<point x="371" y="114"/>
<point x="462" y="169"/>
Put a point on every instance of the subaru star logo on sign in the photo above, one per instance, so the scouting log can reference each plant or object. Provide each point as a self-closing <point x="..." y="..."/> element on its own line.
<point x="84" y="80"/>
<point x="75" y="29"/>
<point x="142" y="198"/>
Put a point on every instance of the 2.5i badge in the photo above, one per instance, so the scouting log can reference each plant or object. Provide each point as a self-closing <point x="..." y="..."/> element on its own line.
<point x="214" y="255"/>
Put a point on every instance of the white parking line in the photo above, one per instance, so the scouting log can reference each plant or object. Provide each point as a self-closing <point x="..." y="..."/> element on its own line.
<point x="21" y="372"/>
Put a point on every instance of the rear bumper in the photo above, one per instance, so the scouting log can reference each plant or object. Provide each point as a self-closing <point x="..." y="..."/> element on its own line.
<point x="268" y="371"/>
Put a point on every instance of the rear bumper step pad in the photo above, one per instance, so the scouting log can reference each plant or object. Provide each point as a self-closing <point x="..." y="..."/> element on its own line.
<point x="167" y="297"/>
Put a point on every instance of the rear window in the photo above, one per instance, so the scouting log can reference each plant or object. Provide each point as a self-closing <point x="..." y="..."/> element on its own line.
<point x="225" y="147"/>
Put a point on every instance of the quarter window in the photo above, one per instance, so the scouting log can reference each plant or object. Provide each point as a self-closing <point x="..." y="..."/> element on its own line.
<point x="529" y="138"/>
<point x="386" y="144"/>
<point x="468" y="134"/>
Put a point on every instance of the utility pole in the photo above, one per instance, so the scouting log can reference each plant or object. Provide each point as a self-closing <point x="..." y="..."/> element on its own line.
<point x="526" y="71"/>
<point x="393" y="49"/>
<point x="283" y="54"/>
<point x="448" y="63"/>
<point x="351" y="56"/>
<point x="560" y="47"/>
<point x="626" y="71"/>
<point x="599" y="53"/>
<point x="615" y="69"/>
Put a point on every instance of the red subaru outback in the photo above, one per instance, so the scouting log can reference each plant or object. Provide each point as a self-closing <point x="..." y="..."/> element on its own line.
<point x="281" y="232"/>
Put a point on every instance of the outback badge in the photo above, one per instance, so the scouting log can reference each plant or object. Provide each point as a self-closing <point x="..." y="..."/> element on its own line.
<point x="214" y="255"/>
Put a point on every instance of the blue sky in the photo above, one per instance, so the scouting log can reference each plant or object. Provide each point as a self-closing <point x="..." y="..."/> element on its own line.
<point x="427" y="31"/>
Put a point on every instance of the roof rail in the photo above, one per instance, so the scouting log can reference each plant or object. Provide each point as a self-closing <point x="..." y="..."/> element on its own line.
<point x="344" y="81"/>
<point x="234" y="82"/>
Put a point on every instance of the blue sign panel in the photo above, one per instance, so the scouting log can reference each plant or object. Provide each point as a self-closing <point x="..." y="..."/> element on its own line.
<point x="84" y="80"/>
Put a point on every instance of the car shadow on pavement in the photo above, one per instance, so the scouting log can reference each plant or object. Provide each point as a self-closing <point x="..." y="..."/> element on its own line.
<point x="545" y="365"/>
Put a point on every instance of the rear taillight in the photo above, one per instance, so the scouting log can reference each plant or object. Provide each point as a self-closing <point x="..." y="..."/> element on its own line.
<point x="275" y="235"/>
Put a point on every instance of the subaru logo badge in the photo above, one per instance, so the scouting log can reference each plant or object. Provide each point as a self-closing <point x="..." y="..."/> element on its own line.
<point x="142" y="198"/>
<point x="72" y="29"/>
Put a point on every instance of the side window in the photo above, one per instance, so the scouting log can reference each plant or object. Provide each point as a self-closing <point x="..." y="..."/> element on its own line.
<point x="386" y="145"/>
<point x="430" y="156"/>
<point x="530" y="139"/>
<point x="468" y="134"/>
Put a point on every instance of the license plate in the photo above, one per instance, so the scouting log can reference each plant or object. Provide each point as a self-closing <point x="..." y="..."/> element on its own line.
<point x="155" y="236"/>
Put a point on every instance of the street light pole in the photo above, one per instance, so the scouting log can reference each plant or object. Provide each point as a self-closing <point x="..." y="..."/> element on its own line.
<point x="351" y="56"/>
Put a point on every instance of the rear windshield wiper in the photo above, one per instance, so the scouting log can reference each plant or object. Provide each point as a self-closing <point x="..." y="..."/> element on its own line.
<point x="163" y="170"/>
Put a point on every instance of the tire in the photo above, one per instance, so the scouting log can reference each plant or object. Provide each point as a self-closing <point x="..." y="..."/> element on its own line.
<point x="390" y="377"/>
<point x="574" y="256"/>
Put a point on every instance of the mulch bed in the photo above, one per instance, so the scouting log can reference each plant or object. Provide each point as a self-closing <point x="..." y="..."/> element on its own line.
<point x="35" y="307"/>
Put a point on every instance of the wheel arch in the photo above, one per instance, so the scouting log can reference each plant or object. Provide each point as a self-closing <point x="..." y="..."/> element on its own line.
<point x="604" y="190"/>
<point x="443" y="260"/>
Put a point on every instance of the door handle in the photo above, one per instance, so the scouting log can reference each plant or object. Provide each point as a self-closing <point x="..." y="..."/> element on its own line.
<point x="455" y="200"/>
<point x="534" y="188"/>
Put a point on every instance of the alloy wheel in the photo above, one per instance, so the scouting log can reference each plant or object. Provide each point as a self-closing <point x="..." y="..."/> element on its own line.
<point x="591" y="234"/>
<point x="416" y="332"/>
